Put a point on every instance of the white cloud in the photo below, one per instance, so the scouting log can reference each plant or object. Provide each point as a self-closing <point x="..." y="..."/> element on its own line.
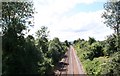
<point x="80" y="25"/>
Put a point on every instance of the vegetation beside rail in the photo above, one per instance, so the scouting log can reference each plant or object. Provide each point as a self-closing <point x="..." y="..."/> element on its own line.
<point x="98" y="57"/>
<point x="103" y="57"/>
<point x="24" y="54"/>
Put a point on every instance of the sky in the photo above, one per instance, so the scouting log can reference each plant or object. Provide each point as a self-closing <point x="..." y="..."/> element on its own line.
<point x="71" y="19"/>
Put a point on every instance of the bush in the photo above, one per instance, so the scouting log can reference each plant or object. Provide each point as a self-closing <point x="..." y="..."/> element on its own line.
<point x="112" y="66"/>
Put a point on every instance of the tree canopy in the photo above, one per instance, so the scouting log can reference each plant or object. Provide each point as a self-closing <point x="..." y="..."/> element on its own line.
<point x="112" y="18"/>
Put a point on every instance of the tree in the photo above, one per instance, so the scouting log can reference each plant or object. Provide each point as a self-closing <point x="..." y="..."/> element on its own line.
<point x="55" y="50"/>
<point x="66" y="43"/>
<point x="91" y="40"/>
<point x="15" y="15"/>
<point x="42" y="40"/>
<point x="43" y="32"/>
<point x="112" y="18"/>
<point x="110" y="45"/>
<point x="46" y="67"/>
<point x="19" y="54"/>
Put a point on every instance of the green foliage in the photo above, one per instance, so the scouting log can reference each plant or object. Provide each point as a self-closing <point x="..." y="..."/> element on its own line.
<point x="43" y="32"/>
<point x="16" y="49"/>
<point x="67" y="43"/>
<point x="15" y="15"/>
<point x="55" y="50"/>
<point x="112" y="66"/>
<point x="99" y="57"/>
<point x="91" y="49"/>
<point x="111" y="14"/>
<point x="91" y="40"/>
<point x="26" y="55"/>
<point x="112" y="18"/>
<point x="110" y="45"/>
<point x="92" y="67"/>
<point x="96" y="48"/>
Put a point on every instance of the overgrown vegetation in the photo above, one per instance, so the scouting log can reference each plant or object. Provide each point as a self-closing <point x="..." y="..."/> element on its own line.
<point x="29" y="55"/>
<point x="98" y="58"/>
<point x="26" y="55"/>
<point x="102" y="58"/>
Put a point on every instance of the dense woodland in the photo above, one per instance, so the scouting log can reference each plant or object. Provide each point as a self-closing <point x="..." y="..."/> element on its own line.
<point x="23" y="54"/>
<point x="101" y="58"/>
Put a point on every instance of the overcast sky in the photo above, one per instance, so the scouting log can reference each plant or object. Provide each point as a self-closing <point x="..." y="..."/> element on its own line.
<point x="71" y="19"/>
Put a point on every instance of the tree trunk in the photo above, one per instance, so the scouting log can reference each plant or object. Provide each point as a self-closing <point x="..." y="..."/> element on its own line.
<point x="118" y="38"/>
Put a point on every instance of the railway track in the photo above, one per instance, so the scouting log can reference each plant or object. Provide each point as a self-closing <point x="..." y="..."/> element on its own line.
<point x="70" y="64"/>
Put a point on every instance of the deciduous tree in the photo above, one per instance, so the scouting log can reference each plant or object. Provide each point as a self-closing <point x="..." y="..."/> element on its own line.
<point x="112" y="18"/>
